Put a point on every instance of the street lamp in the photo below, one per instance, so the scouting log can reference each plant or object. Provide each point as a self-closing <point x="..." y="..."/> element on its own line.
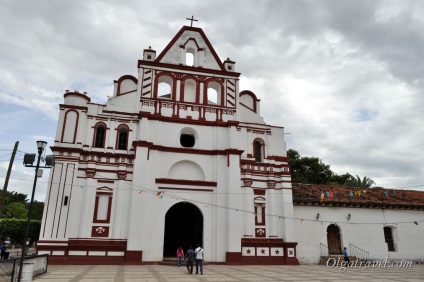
<point x="28" y="162"/>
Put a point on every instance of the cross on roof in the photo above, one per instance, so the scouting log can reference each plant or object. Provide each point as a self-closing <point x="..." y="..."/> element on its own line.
<point x="192" y="19"/>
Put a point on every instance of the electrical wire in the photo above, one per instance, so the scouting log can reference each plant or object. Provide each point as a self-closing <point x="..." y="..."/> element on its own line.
<point x="160" y="194"/>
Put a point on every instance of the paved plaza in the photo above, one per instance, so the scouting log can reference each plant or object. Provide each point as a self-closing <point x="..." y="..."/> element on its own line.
<point x="58" y="273"/>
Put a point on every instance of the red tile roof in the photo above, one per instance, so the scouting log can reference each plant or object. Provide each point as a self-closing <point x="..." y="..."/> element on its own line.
<point x="310" y="194"/>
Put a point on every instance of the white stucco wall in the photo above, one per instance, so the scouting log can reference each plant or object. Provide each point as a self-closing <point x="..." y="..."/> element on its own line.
<point x="364" y="230"/>
<point x="175" y="54"/>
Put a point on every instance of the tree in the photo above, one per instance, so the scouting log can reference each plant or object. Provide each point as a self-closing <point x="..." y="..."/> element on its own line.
<point x="16" y="206"/>
<point x="14" y="218"/>
<point x="339" y="180"/>
<point x="37" y="210"/>
<point x="357" y="182"/>
<point x="14" y="196"/>
<point x="14" y="229"/>
<point x="15" y="210"/>
<point x="310" y="170"/>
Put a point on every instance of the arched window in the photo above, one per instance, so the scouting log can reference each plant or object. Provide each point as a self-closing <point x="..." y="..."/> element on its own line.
<point x="190" y="58"/>
<point x="214" y="93"/>
<point x="190" y="90"/>
<point x="122" y="142"/>
<point x="212" y="96"/>
<point x="258" y="150"/>
<point x="259" y="210"/>
<point x="70" y="127"/>
<point x="164" y="87"/>
<point x="99" y="136"/>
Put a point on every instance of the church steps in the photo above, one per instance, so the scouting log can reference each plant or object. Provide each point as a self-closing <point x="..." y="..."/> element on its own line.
<point x="338" y="258"/>
<point x="172" y="261"/>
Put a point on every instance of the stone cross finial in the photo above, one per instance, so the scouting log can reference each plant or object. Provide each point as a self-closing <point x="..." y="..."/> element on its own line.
<point x="192" y="19"/>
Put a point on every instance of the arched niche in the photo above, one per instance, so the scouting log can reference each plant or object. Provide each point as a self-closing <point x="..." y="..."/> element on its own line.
<point x="186" y="170"/>
<point x="70" y="127"/>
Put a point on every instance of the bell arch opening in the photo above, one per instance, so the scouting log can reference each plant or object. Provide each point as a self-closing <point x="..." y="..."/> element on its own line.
<point x="183" y="227"/>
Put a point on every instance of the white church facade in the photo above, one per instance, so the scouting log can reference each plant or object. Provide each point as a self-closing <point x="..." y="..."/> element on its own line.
<point x="179" y="156"/>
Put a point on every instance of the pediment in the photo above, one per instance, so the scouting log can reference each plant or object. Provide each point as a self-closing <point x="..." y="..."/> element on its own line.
<point x="191" y="40"/>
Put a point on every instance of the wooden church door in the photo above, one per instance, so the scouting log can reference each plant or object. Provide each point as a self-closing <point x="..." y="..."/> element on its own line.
<point x="333" y="240"/>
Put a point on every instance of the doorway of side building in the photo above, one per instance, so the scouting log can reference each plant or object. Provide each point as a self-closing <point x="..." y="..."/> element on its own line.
<point x="183" y="227"/>
<point x="333" y="240"/>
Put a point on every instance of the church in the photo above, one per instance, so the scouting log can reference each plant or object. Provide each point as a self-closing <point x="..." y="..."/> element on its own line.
<point x="180" y="156"/>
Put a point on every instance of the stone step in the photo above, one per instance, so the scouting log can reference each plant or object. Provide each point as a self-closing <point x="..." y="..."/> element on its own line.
<point x="172" y="261"/>
<point x="340" y="258"/>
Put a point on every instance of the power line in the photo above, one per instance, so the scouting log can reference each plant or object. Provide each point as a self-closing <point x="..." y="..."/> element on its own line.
<point x="5" y="155"/>
<point x="399" y="187"/>
<point x="160" y="194"/>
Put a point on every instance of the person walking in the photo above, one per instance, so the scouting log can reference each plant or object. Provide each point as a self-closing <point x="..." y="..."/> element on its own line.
<point x="199" y="259"/>
<point x="180" y="255"/>
<point x="3" y="251"/>
<point x="345" y="256"/>
<point x="190" y="258"/>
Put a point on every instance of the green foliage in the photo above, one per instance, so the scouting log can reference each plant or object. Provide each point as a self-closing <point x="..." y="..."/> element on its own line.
<point x="15" y="210"/>
<point x="357" y="182"/>
<point x="15" y="229"/>
<point x="308" y="169"/>
<point x="16" y="206"/>
<point x="311" y="170"/>
<point x="37" y="210"/>
<point x="339" y="180"/>
<point x="14" y="196"/>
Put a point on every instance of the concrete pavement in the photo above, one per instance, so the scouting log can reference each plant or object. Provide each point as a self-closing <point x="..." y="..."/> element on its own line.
<point x="118" y="273"/>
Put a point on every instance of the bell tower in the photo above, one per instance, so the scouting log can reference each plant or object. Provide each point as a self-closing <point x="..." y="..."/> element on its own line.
<point x="188" y="81"/>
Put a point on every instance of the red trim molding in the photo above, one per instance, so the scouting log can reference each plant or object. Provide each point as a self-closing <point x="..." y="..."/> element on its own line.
<point x="121" y="79"/>
<point x="133" y="256"/>
<point x="185" y="182"/>
<point x="202" y="34"/>
<point x="159" y="148"/>
<point x="233" y="257"/>
<point x="100" y="231"/>
<point x="102" y="192"/>
<point x="77" y="94"/>
<point x="268" y="251"/>
<point x="86" y="251"/>
<point x="185" y="189"/>
<point x="255" y="100"/>
<point x="75" y="129"/>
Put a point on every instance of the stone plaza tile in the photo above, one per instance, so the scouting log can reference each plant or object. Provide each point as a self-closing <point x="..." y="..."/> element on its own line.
<point x="222" y="279"/>
<point x="154" y="273"/>
<point x="96" y="280"/>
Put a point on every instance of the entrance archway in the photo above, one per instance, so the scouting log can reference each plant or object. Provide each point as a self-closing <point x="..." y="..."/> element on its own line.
<point x="183" y="227"/>
<point x="333" y="240"/>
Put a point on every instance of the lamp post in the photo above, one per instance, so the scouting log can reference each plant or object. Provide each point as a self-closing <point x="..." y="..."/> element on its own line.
<point x="41" y="145"/>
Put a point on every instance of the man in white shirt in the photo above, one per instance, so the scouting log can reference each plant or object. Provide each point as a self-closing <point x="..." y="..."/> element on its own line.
<point x="199" y="259"/>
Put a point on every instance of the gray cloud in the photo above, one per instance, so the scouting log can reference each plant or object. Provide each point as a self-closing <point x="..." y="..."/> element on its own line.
<point x="343" y="77"/>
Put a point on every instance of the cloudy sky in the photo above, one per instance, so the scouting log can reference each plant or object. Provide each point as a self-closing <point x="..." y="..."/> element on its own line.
<point x="345" y="78"/>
